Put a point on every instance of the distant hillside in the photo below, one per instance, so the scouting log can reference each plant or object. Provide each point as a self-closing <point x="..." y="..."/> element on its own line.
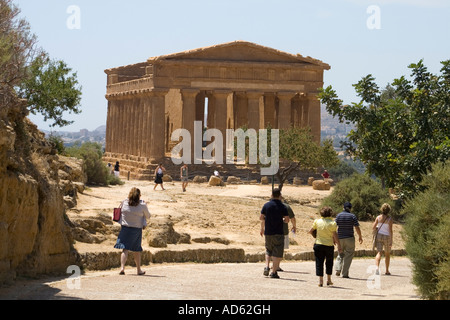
<point x="84" y="135"/>
<point x="332" y="129"/>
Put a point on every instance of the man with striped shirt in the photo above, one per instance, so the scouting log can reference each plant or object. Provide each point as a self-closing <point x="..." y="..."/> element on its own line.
<point x="346" y="222"/>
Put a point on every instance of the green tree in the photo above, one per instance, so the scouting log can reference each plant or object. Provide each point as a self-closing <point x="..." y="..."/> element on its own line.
<point x="399" y="133"/>
<point x="27" y="72"/>
<point x="51" y="89"/>
<point x="297" y="146"/>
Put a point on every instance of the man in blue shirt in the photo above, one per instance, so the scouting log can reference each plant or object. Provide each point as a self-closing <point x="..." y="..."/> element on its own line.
<point x="346" y="222"/>
<point x="273" y="216"/>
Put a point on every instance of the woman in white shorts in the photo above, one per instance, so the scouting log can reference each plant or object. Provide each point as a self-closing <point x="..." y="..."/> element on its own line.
<point x="382" y="227"/>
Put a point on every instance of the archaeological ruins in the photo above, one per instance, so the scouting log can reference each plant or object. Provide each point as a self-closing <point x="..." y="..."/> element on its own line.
<point x="225" y="86"/>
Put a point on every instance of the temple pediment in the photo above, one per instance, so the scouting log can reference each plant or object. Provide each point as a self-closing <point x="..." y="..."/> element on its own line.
<point x="241" y="51"/>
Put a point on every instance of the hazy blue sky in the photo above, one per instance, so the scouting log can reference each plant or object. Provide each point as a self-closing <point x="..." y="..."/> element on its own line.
<point x="115" y="33"/>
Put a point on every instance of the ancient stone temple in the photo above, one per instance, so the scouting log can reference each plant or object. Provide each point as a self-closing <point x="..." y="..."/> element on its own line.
<point x="225" y="86"/>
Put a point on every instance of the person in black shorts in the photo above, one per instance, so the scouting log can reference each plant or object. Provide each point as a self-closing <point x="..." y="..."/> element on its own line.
<point x="273" y="216"/>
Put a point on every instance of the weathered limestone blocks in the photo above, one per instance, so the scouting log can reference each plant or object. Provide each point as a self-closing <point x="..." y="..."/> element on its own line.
<point x="233" y="255"/>
<point x="233" y="180"/>
<point x="160" y="233"/>
<point x="321" y="185"/>
<point x="200" y="179"/>
<point x="265" y="180"/>
<point x="215" y="181"/>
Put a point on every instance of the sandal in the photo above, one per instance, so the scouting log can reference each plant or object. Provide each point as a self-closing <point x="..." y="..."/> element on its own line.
<point x="141" y="273"/>
<point x="122" y="273"/>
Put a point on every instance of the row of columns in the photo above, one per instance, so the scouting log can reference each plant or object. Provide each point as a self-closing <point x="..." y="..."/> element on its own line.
<point x="136" y="124"/>
<point x="232" y="110"/>
<point x="133" y="122"/>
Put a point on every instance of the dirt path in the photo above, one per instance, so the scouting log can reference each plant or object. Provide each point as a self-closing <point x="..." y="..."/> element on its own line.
<point x="224" y="282"/>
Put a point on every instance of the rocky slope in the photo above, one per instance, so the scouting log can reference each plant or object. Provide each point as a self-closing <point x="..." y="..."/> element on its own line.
<point x="35" y="235"/>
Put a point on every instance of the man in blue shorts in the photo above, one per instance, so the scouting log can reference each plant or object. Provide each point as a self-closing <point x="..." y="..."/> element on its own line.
<point x="273" y="216"/>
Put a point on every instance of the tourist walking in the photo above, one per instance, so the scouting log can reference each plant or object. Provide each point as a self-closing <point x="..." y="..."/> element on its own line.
<point x="184" y="174"/>
<point x="324" y="230"/>
<point x="273" y="215"/>
<point x="159" y="173"/>
<point x="347" y="222"/>
<point x="382" y="228"/>
<point x="134" y="217"/>
<point x="286" y="226"/>
<point x="117" y="169"/>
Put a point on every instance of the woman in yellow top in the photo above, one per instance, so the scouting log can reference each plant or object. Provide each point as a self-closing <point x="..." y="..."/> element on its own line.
<point x="326" y="238"/>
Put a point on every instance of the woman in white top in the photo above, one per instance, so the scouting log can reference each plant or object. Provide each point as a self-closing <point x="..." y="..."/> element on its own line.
<point x="382" y="227"/>
<point x="134" y="219"/>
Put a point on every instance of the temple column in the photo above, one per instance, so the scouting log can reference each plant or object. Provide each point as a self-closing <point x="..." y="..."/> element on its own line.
<point x="109" y="147"/>
<point x="200" y="108"/>
<point x="240" y="108"/>
<point x="108" y="128"/>
<point x="134" y="123"/>
<point x="121" y="134"/>
<point x="114" y="125"/>
<point x="126" y="112"/>
<point x="269" y="111"/>
<point x="284" y="111"/>
<point x="189" y="97"/>
<point x="221" y="100"/>
<point x="314" y="116"/>
<point x="145" y="126"/>
<point x="157" y="105"/>
<point x="148" y="126"/>
<point x="221" y="107"/>
<point x="140" y="126"/>
<point x="255" y="100"/>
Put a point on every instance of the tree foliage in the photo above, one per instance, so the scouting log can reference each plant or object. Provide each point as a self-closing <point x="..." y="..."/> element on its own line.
<point x="399" y="134"/>
<point x="51" y="89"/>
<point x="297" y="145"/>
<point x="17" y="49"/>
<point x="26" y="71"/>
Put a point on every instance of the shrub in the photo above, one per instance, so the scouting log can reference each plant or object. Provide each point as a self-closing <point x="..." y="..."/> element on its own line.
<point x="57" y="143"/>
<point x="341" y="171"/>
<point x="96" y="170"/>
<point x="426" y="234"/>
<point x="365" y="194"/>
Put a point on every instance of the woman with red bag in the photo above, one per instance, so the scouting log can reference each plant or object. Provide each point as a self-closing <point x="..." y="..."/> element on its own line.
<point x="133" y="220"/>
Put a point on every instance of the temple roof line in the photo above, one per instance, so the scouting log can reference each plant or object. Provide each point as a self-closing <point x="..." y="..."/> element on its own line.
<point x="236" y="48"/>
